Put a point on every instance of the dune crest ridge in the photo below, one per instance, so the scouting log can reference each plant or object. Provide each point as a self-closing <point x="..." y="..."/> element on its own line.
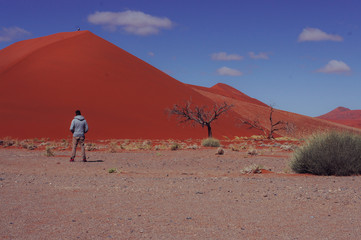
<point x="16" y="52"/>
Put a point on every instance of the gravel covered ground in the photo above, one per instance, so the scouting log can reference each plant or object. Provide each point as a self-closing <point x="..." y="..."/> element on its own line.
<point x="183" y="194"/>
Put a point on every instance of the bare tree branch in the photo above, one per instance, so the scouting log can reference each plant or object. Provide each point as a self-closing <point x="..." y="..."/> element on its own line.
<point x="274" y="127"/>
<point x="199" y="114"/>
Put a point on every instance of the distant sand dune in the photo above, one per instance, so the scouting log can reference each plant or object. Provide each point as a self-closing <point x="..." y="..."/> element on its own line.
<point x="344" y="116"/>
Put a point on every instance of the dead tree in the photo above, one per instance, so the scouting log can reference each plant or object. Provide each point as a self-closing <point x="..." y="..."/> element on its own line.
<point x="273" y="126"/>
<point x="199" y="114"/>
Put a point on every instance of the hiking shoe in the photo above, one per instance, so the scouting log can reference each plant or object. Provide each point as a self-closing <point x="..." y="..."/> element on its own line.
<point x="84" y="160"/>
<point x="71" y="159"/>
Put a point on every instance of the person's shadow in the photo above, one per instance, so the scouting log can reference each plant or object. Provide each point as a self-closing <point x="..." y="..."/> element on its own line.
<point x="94" y="161"/>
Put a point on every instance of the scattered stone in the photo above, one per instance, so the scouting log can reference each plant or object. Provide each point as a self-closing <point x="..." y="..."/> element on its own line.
<point x="252" y="152"/>
<point x="220" y="151"/>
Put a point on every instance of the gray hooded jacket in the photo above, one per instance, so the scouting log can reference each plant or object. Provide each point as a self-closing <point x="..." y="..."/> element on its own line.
<point x="79" y="126"/>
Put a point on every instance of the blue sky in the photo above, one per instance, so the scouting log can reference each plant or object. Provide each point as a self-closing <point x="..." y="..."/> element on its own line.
<point x="300" y="56"/>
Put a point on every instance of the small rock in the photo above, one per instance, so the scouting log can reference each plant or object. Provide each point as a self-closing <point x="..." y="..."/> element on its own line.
<point x="220" y="151"/>
<point x="252" y="152"/>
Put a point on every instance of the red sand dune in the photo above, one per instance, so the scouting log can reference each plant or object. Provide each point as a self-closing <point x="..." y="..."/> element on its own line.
<point x="228" y="91"/>
<point x="44" y="80"/>
<point x="344" y="116"/>
<point x="251" y="109"/>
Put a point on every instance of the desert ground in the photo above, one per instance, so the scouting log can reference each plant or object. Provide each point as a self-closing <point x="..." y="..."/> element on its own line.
<point x="164" y="194"/>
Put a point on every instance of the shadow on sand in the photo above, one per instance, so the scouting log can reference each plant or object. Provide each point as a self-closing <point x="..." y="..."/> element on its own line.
<point x="94" y="161"/>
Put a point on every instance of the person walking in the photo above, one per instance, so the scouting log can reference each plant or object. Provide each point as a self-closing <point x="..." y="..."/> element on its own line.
<point x="78" y="127"/>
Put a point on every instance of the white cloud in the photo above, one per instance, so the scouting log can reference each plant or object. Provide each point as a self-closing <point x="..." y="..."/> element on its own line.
<point x="223" y="56"/>
<point x="261" y="55"/>
<point x="335" y="66"/>
<point x="12" y="33"/>
<point x="225" y="71"/>
<point x="315" y="34"/>
<point x="134" y="22"/>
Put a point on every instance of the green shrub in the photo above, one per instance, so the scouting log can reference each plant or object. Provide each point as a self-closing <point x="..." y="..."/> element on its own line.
<point x="252" y="151"/>
<point x="146" y="145"/>
<point x="175" y="146"/>
<point x="211" y="142"/>
<point x="90" y="147"/>
<point x="49" y="152"/>
<point x="254" y="168"/>
<point x="113" y="146"/>
<point x="64" y="144"/>
<point x="332" y="153"/>
<point x="7" y="142"/>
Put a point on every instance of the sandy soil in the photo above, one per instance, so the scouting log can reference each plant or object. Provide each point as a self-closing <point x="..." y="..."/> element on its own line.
<point x="184" y="194"/>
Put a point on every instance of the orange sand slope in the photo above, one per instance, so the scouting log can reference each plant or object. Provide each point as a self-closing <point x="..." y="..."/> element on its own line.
<point x="344" y="116"/>
<point x="251" y="109"/>
<point x="43" y="80"/>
